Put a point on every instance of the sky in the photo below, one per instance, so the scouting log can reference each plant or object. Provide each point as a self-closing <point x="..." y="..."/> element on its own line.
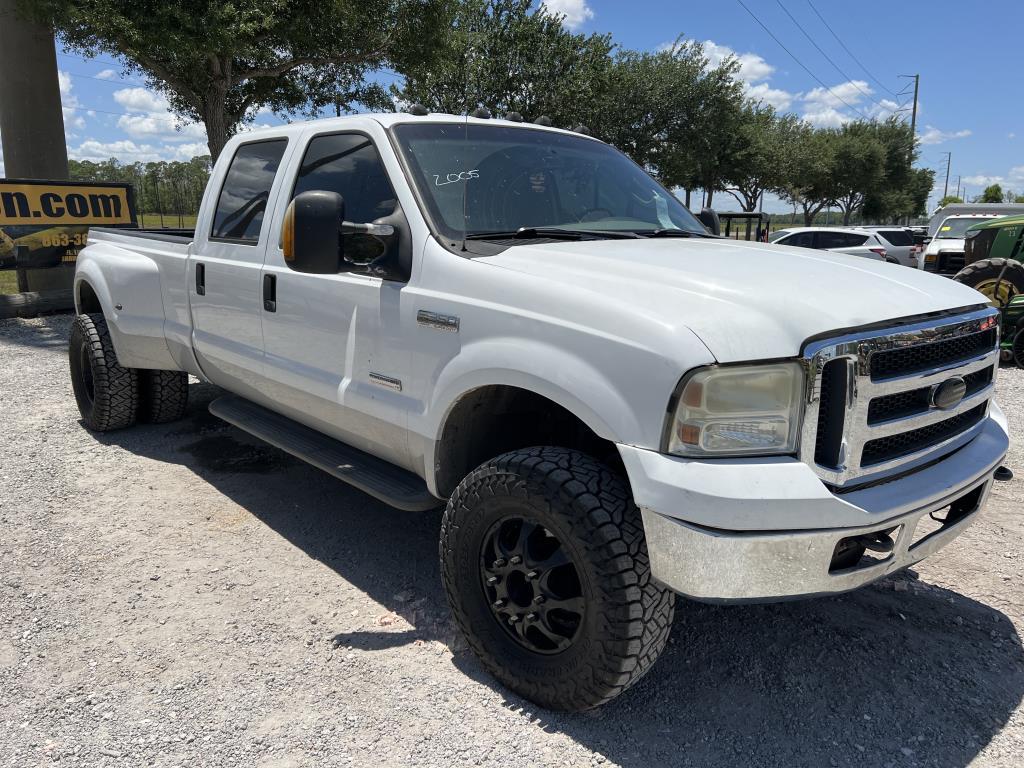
<point x="828" y="61"/>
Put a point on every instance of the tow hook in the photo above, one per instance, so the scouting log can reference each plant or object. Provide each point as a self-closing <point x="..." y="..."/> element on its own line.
<point x="876" y="542"/>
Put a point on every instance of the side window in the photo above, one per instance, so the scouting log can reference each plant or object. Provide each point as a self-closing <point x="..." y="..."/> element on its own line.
<point x="243" y="198"/>
<point x="800" y="240"/>
<point x="840" y="240"/>
<point x="348" y="163"/>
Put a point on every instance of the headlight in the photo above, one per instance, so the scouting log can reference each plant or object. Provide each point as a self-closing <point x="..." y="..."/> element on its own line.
<point x="738" y="411"/>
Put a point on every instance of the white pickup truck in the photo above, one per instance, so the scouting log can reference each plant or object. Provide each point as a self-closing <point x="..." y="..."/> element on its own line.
<point x="615" y="405"/>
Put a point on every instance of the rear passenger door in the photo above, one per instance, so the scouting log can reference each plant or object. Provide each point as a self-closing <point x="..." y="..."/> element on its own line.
<point x="224" y="269"/>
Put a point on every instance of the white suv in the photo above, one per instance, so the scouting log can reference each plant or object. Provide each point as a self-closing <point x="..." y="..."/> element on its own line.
<point x="856" y="242"/>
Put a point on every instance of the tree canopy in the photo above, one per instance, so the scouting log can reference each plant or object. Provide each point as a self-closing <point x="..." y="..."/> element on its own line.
<point x="684" y="119"/>
<point x="219" y="61"/>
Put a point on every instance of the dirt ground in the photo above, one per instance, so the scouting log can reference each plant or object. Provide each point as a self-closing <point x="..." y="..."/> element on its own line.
<point x="179" y="595"/>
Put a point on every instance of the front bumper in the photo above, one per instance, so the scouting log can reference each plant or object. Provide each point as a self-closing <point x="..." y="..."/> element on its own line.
<point x="760" y="530"/>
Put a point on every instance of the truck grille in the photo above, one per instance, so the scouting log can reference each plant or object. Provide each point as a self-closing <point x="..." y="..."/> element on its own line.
<point x="870" y="410"/>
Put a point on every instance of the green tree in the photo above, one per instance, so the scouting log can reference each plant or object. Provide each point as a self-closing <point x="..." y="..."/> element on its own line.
<point x="949" y="200"/>
<point x="507" y="56"/>
<point x="219" y="61"/>
<point x="762" y="159"/>
<point x="859" y="166"/>
<point x="675" y="114"/>
<point x="809" y="182"/>
<point x="992" y="194"/>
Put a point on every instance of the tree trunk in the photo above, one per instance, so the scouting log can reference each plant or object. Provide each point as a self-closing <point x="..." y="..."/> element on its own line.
<point x="847" y="213"/>
<point x="710" y="193"/>
<point x="215" y="118"/>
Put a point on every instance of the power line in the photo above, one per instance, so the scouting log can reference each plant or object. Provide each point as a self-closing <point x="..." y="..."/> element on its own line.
<point x="828" y="58"/>
<point x="110" y="81"/>
<point x="802" y="65"/>
<point x="829" y="28"/>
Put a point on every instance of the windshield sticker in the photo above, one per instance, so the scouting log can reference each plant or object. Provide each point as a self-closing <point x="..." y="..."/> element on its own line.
<point x="451" y="178"/>
<point x="946" y="228"/>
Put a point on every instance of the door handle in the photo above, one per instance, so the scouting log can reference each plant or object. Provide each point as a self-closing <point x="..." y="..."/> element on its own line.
<point x="270" y="293"/>
<point x="201" y="279"/>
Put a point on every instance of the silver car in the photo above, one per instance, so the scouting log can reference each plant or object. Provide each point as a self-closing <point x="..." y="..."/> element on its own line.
<point x="856" y="242"/>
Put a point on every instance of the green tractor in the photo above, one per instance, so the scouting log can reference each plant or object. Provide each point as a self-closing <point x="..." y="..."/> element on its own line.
<point x="992" y="250"/>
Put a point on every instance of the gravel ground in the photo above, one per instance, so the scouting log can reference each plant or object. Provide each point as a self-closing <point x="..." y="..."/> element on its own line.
<point x="180" y="595"/>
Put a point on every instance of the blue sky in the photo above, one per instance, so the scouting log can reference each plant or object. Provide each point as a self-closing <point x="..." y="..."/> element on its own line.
<point x="967" y="55"/>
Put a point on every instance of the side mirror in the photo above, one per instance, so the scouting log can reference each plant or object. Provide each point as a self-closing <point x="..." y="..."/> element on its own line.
<point x="709" y="219"/>
<point x="311" y="237"/>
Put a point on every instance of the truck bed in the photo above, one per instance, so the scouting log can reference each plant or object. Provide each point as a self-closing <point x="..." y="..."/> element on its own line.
<point x="163" y="234"/>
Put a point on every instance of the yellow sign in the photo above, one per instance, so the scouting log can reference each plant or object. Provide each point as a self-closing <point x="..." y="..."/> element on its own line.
<point x="46" y="223"/>
<point x="52" y="203"/>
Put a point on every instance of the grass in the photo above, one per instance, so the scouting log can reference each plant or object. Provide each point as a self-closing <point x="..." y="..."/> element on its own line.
<point x="8" y="281"/>
<point x="152" y="220"/>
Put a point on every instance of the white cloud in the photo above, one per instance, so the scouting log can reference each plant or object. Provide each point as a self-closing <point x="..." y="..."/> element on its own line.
<point x="836" y="96"/>
<point x="753" y="68"/>
<point x="982" y="180"/>
<point x="69" y="104"/>
<point x="826" y="117"/>
<point x="1011" y="135"/>
<point x="141" y="100"/>
<point x="932" y="135"/>
<point x="576" y="12"/>
<point x="1017" y="173"/>
<point x="778" y="98"/>
<point x="127" y="151"/>
<point x="106" y="74"/>
<point x="164" y="126"/>
<point x="151" y="118"/>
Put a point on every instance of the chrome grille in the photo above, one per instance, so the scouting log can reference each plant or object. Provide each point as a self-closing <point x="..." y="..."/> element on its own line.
<point x="868" y="408"/>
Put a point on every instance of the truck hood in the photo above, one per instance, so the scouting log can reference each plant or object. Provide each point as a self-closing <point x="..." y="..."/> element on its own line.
<point x="946" y="244"/>
<point x="745" y="301"/>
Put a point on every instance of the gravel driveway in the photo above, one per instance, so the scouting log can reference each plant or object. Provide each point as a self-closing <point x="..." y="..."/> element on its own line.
<point x="180" y="595"/>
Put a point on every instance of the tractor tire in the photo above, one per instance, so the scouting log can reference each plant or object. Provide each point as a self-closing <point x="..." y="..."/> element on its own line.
<point x="1018" y="346"/>
<point x="546" y="568"/>
<point x="163" y="396"/>
<point x="107" y="393"/>
<point x="985" y="274"/>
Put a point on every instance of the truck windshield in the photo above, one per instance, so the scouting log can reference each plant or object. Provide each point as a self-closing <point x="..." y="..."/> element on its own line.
<point x="481" y="180"/>
<point x="956" y="228"/>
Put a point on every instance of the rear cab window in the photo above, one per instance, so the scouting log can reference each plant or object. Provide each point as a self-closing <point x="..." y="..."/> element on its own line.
<point x="243" y="199"/>
<point x="799" y="239"/>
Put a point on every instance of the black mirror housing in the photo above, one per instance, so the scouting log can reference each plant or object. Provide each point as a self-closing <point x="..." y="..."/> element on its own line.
<point x="709" y="219"/>
<point x="314" y="219"/>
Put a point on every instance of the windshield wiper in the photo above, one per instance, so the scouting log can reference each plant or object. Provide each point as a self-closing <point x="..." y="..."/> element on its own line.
<point x="555" y="233"/>
<point x="670" y="232"/>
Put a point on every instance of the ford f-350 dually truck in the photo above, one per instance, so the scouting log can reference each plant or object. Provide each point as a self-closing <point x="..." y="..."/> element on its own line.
<point x="614" y="405"/>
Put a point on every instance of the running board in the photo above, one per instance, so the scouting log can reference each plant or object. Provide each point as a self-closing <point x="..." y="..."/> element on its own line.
<point x="369" y="474"/>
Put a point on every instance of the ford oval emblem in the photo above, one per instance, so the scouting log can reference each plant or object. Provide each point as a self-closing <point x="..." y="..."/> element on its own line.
<point x="949" y="393"/>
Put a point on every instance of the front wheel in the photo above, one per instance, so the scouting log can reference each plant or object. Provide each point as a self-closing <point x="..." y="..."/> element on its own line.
<point x="545" y="564"/>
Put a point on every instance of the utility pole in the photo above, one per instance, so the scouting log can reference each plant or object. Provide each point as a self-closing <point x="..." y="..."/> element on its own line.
<point x="913" y="114"/>
<point x="31" y="120"/>
<point x="949" y="159"/>
<point x="958" y="187"/>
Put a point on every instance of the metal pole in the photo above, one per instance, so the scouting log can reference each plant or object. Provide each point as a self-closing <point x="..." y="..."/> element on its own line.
<point x="949" y="160"/>
<point x="31" y="121"/>
<point x="958" y="187"/>
<point x="913" y="113"/>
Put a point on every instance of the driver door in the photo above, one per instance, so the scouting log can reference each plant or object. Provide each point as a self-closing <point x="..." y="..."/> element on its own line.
<point x="332" y="353"/>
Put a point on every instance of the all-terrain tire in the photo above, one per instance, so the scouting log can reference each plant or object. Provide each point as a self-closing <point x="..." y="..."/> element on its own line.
<point x="163" y="396"/>
<point x="107" y="393"/>
<point x="1018" y="346"/>
<point x="985" y="273"/>
<point x="626" y="616"/>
